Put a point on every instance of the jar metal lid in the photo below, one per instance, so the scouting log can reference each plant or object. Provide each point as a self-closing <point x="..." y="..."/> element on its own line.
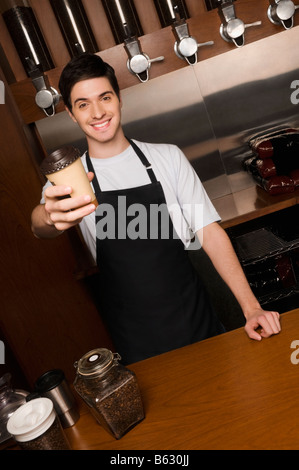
<point x="96" y="362"/>
<point x="31" y="420"/>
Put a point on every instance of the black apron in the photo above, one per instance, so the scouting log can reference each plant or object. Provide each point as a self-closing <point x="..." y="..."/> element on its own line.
<point x="151" y="298"/>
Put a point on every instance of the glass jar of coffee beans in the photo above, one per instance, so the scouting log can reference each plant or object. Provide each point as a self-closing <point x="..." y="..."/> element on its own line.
<point x="110" y="390"/>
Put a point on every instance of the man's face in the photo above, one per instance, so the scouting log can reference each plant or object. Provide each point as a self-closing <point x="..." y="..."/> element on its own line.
<point x="97" y="110"/>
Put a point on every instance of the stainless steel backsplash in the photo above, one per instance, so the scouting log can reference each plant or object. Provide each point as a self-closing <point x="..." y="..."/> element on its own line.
<point x="210" y="110"/>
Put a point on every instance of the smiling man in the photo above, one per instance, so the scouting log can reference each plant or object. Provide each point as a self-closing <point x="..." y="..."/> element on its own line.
<point x="152" y="299"/>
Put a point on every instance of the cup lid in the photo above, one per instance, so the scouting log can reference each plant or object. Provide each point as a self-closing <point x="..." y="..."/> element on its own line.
<point x="59" y="159"/>
<point x="95" y="362"/>
<point x="31" y="420"/>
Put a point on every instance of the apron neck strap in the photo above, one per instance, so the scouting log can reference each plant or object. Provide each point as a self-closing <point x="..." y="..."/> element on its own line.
<point x="144" y="161"/>
<point x="138" y="152"/>
<point x="95" y="182"/>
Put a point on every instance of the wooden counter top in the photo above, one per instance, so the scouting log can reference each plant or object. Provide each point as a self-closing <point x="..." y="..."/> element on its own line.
<point x="251" y="203"/>
<point x="224" y="393"/>
<point x="228" y="392"/>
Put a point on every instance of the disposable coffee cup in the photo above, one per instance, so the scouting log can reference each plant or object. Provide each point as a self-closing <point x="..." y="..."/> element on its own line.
<point x="35" y="426"/>
<point x="64" y="167"/>
<point x="53" y="385"/>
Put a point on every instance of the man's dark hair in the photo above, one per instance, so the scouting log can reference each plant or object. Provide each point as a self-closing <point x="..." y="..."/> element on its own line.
<point x="84" y="67"/>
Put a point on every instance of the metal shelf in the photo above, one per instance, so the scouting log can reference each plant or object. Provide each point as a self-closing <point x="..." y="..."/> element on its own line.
<point x="260" y="245"/>
<point x="279" y="295"/>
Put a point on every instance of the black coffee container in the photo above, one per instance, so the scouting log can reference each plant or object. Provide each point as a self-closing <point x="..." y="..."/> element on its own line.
<point x="120" y="13"/>
<point x="74" y="25"/>
<point x="166" y="10"/>
<point x="212" y="4"/>
<point x="26" y="34"/>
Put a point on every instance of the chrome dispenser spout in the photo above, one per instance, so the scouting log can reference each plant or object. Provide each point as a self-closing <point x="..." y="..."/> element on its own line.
<point x="281" y="12"/>
<point x="138" y="63"/>
<point x="232" y="28"/>
<point x="46" y="97"/>
<point x="186" y="46"/>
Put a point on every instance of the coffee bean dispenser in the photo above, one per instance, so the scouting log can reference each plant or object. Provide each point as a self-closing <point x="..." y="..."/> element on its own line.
<point x="122" y="17"/>
<point x="74" y="26"/>
<point x="26" y="34"/>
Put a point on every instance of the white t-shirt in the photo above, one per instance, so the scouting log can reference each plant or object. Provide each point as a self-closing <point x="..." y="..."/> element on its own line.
<point x="187" y="201"/>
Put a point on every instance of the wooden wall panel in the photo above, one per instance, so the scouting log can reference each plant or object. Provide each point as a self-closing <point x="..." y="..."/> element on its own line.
<point x="148" y="16"/>
<point x="11" y="53"/>
<point x="99" y="23"/>
<point x="196" y="7"/>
